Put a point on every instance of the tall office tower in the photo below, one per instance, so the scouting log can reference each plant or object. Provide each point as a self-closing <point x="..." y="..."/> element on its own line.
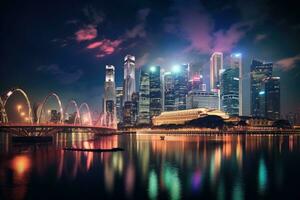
<point x="272" y="95"/>
<point x="216" y="65"/>
<point x="135" y="107"/>
<point x="129" y="77"/>
<point x="230" y="91"/>
<point x="181" y="85"/>
<point x="127" y="114"/>
<point x="155" y="91"/>
<point x="119" y="104"/>
<point x="144" y="99"/>
<point x="109" y="90"/>
<point x="169" y="92"/>
<point x="236" y="62"/>
<point x="259" y="72"/>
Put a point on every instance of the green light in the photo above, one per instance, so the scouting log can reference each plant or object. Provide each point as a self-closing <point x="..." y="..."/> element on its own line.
<point x="176" y="69"/>
<point x="152" y="186"/>
<point x="262" y="176"/>
<point x="152" y="69"/>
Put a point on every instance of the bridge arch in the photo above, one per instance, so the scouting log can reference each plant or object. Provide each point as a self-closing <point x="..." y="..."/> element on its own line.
<point x="11" y="93"/>
<point x="89" y="112"/>
<point x="59" y="104"/>
<point x="73" y="102"/>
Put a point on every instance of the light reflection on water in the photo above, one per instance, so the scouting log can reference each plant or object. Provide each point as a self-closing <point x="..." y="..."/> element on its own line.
<point x="179" y="167"/>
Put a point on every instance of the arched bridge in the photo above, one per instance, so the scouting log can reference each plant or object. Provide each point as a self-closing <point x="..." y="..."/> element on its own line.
<point x="35" y="121"/>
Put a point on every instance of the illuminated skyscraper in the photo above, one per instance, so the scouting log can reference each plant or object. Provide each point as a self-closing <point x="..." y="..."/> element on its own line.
<point x="259" y="72"/>
<point x="119" y="103"/>
<point x="272" y="92"/>
<point x="144" y="99"/>
<point x="155" y="91"/>
<point x="169" y="92"/>
<point x="216" y="64"/>
<point x="109" y="90"/>
<point x="236" y="62"/>
<point x="230" y="91"/>
<point x="181" y="78"/>
<point x="129" y="77"/>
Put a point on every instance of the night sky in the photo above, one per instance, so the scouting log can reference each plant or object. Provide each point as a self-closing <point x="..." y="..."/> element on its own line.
<point x="64" y="46"/>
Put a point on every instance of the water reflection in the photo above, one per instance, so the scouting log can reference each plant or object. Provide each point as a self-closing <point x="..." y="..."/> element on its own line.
<point x="179" y="167"/>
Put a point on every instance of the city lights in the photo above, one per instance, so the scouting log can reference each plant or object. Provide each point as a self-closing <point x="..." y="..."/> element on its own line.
<point x="176" y="68"/>
<point x="19" y="107"/>
<point x="152" y="68"/>
<point x="22" y="114"/>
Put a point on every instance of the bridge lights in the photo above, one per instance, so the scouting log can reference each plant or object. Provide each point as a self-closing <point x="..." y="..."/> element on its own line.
<point x="9" y="93"/>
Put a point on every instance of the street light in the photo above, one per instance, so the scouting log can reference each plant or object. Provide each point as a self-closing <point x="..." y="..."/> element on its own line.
<point x="19" y="107"/>
<point x="22" y="114"/>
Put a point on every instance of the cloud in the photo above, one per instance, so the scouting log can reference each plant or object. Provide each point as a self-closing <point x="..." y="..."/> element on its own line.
<point x="260" y="37"/>
<point x="226" y="40"/>
<point x="193" y="23"/>
<point x="95" y="17"/>
<point x="288" y="63"/>
<point x="87" y="33"/>
<point x="141" y="61"/>
<point x="105" y="47"/>
<point x="139" y="29"/>
<point x="108" y="46"/>
<point x="61" y="75"/>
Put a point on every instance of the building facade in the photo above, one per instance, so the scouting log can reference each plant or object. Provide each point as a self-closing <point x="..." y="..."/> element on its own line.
<point x="109" y="90"/>
<point x="236" y="62"/>
<point x="272" y="97"/>
<point x="230" y="91"/>
<point x="216" y="64"/>
<point x="129" y="77"/>
<point x="155" y="91"/>
<point x="169" y="92"/>
<point x="260" y="71"/>
<point x="181" y="77"/>
<point x="144" y="99"/>
<point x="119" y="104"/>
<point x="200" y="99"/>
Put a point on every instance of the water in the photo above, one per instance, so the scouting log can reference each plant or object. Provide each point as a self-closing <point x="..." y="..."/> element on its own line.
<point x="179" y="167"/>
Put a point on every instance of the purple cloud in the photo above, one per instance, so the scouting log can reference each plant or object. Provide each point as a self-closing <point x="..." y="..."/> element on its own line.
<point x="87" y="33"/>
<point x="288" y="63"/>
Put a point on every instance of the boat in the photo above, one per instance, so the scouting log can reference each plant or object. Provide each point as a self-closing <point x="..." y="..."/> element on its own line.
<point x="93" y="150"/>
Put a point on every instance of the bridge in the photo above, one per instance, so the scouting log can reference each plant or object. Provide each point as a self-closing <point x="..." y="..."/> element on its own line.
<point x="36" y="123"/>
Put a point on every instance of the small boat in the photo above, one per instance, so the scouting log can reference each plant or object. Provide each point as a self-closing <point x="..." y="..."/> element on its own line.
<point x="93" y="150"/>
<point x="162" y="137"/>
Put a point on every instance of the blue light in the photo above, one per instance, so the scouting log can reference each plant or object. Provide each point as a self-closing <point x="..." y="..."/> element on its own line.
<point x="261" y="92"/>
<point x="237" y="54"/>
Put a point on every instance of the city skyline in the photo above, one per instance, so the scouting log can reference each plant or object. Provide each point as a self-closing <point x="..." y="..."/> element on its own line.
<point x="77" y="58"/>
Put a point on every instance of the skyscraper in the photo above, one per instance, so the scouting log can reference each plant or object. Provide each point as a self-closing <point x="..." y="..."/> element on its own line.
<point x="169" y="92"/>
<point x="216" y="64"/>
<point x="272" y="92"/>
<point x="155" y="91"/>
<point x="135" y="107"/>
<point x="181" y="78"/>
<point x="144" y="99"/>
<point x="119" y="104"/>
<point x="259" y="72"/>
<point x="230" y="91"/>
<point x="236" y="62"/>
<point x="199" y="99"/>
<point x="129" y="77"/>
<point x="109" y="90"/>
